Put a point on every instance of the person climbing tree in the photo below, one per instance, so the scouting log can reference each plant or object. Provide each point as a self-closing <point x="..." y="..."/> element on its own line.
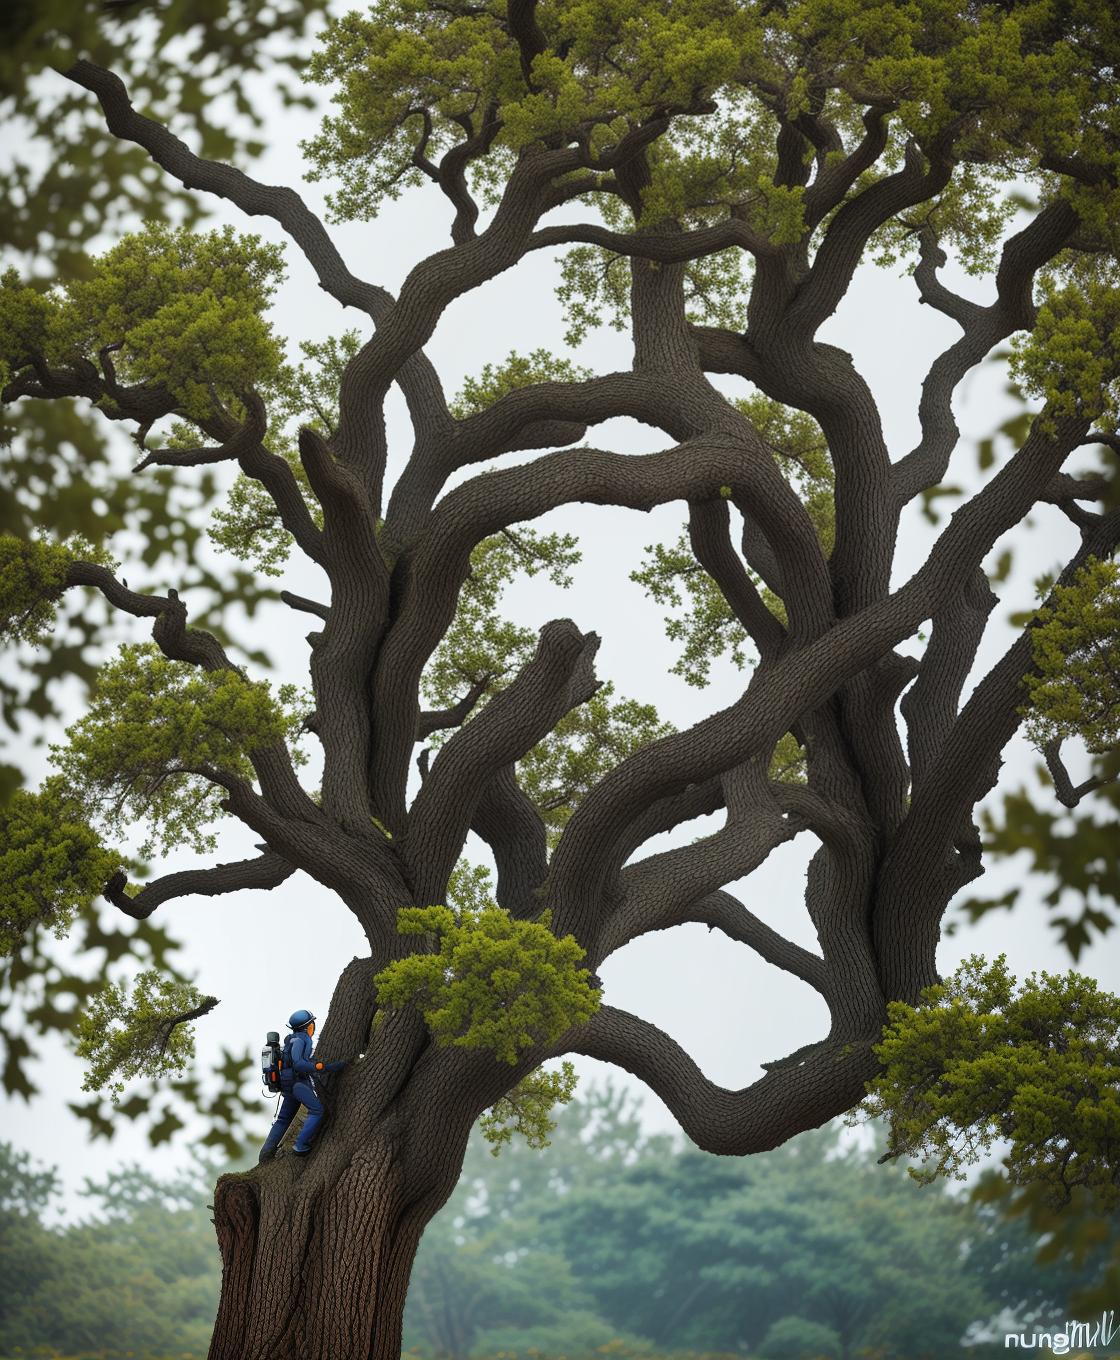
<point x="725" y="167"/>
<point x="297" y="1085"/>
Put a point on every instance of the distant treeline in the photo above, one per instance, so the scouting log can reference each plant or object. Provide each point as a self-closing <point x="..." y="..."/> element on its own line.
<point x="610" y="1244"/>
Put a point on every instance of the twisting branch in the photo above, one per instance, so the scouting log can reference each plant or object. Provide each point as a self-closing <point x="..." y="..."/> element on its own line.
<point x="1023" y="255"/>
<point x="279" y="202"/>
<point x="724" y="912"/>
<point x="147" y="403"/>
<point x="423" y="391"/>
<point x="709" y="534"/>
<point x="847" y="235"/>
<point x="833" y="181"/>
<point x="273" y="764"/>
<point x="558" y="678"/>
<point x="521" y="21"/>
<point x="655" y="889"/>
<point x="267" y="870"/>
<point x="829" y="1081"/>
<point x="932" y="291"/>
<point x="799" y="681"/>
<point x="1066" y="792"/>
<point x="965" y="770"/>
<point x="169" y="1026"/>
<point x="434" y="720"/>
<point x="511" y="826"/>
<point x="440" y="558"/>
<point x="666" y="248"/>
<point x="930" y="706"/>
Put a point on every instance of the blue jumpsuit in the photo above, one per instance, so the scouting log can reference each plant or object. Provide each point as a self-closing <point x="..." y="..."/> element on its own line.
<point x="297" y="1083"/>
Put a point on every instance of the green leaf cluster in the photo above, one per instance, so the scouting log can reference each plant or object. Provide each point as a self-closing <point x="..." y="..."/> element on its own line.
<point x="66" y="179"/>
<point x="32" y="577"/>
<point x="702" y="620"/>
<point x="176" y="308"/>
<point x="25" y="314"/>
<point x="982" y="1057"/>
<point x="1075" y="852"/>
<point x="481" y="646"/>
<point x="1005" y="87"/>
<point x="704" y="623"/>
<point x="52" y="862"/>
<point x="247" y="524"/>
<point x="127" y="1032"/>
<point x="584" y="746"/>
<point x="1071" y="358"/>
<point x="1074" y="690"/>
<point x="478" y="644"/>
<point x="411" y="74"/>
<point x="132" y="1276"/>
<point x="154" y="731"/>
<point x="515" y="371"/>
<point x="489" y="981"/>
<point x="528" y="1108"/>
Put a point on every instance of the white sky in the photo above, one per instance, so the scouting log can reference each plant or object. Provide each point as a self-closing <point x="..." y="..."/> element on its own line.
<point x="729" y="1009"/>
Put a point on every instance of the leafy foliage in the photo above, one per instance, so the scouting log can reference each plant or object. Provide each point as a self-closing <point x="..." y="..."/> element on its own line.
<point x="136" y="1276"/>
<point x="66" y="178"/>
<point x="583" y="746"/>
<point x="527" y="1108"/>
<point x="1078" y="1245"/>
<point x="799" y="1338"/>
<point x="138" y="1031"/>
<point x="175" y="307"/>
<point x="32" y="575"/>
<point x="1070" y="357"/>
<point x="51" y="999"/>
<point x="1076" y="691"/>
<point x="155" y="732"/>
<point x="515" y="371"/>
<point x="1070" y="850"/>
<point x="407" y="72"/>
<point x="677" y="1253"/>
<point x="52" y="863"/>
<point x="983" y="1058"/>
<point x="1075" y="853"/>
<point x="247" y="524"/>
<point x="490" y="981"/>
<point x="479" y="646"/>
<point x="702" y="619"/>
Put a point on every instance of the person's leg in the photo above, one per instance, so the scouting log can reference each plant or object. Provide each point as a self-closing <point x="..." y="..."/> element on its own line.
<point x="309" y="1097"/>
<point x="288" y="1108"/>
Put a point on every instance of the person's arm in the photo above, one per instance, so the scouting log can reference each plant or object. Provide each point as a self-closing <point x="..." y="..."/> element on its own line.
<point x="303" y="1064"/>
<point x="303" y="1061"/>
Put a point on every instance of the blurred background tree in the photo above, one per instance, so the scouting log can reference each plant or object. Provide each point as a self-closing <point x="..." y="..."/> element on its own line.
<point x="615" y="1244"/>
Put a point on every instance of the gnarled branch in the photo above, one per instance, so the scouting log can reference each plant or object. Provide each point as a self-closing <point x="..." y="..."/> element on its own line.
<point x="267" y="870"/>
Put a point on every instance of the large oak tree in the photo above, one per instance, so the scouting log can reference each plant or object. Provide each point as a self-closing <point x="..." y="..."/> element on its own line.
<point x="736" y="163"/>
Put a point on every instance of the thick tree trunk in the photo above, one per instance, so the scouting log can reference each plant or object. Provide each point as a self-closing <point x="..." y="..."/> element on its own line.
<point x="317" y="1253"/>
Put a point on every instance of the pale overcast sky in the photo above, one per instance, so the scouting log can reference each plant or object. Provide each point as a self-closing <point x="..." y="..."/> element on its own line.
<point x="730" y="1010"/>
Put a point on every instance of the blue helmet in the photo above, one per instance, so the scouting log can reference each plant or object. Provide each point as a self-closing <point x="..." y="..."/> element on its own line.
<point x="300" y="1019"/>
